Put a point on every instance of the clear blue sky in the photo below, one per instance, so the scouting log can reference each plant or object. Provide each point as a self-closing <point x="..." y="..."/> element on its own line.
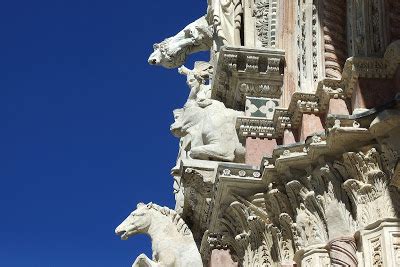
<point x="84" y="126"/>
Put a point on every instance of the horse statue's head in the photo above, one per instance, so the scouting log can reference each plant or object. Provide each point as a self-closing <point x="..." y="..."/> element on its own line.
<point x="172" y="52"/>
<point x="137" y="222"/>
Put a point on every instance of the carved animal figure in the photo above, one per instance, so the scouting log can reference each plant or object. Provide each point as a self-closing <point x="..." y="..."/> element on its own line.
<point x="220" y="26"/>
<point x="172" y="241"/>
<point x="172" y="52"/>
<point x="212" y="131"/>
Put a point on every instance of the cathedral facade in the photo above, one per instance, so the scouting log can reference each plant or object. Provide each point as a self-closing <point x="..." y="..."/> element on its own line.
<point x="289" y="140"/>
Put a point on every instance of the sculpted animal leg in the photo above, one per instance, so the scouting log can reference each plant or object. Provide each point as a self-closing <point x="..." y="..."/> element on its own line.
<point x="143" y="261"/>
<point x="212" y="151"/>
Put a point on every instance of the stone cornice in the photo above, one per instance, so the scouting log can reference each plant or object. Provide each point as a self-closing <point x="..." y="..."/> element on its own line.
<point x="343" y="133"/>
<point x="243" y="180"/>
<point x="231" y="180"/>
<point x="378" y="68"/>
<point x="318" y="102"/>
<point x="242" y="72"/>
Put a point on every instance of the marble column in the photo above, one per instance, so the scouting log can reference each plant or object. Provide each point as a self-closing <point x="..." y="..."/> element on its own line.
<point x="342" y="252"/>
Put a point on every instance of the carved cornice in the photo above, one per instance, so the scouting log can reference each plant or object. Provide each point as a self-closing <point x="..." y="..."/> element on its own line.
<point x="255" y="127"/>
<point x="242" y="72"/>
<point x="231" y="180"/>
<point x="382" y="68"/>
<point x="318" y="102"/>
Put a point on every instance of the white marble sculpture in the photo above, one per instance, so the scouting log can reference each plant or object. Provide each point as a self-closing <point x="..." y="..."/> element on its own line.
<point x="220" y="26"/>
<point x="172" y="52"/>
<point x="207" y="125"/>
<point x="227" y="19"/>
<point x="212" y="131"/>
<point x="172" y="241"/>
<point x="200" y="92"/>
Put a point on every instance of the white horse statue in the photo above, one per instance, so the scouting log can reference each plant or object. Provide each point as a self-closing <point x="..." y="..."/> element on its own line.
<point x="172" y="52"/>
<point x="172" y="241"/>
<point x="220" y="26"/>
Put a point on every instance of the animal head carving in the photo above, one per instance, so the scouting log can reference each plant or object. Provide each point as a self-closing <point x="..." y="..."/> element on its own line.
<point x="186" y="118"/>
<point x="137" y="222"/>
<point x="172" y="52"/>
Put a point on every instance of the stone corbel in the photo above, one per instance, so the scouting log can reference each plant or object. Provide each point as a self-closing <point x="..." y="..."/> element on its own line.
<point x="242" y="72"/>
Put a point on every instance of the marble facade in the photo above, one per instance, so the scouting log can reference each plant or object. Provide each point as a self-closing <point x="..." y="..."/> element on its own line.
<point x="289" y="141"/>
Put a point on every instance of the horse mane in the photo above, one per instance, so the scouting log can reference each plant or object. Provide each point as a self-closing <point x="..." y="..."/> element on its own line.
<point x="176" y="219"/>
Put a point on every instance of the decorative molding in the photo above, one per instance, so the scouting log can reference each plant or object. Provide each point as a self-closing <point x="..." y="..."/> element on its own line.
<point x="366" y="27"/>
<point x="265" y="15"/>
<point x="242" y="72"/>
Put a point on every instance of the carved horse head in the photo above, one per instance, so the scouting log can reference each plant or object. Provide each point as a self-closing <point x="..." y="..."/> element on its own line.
<point x="172" y="52"/>
<point x="137" y="222"/>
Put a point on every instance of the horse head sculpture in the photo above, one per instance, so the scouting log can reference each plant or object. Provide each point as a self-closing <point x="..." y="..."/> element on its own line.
<point x="136" y="223"/>
<point x="172" y="240"/>
<point x="172" y="52"/>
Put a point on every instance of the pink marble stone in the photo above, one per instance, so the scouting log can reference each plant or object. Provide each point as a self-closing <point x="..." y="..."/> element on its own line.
<point x="310" y="124"/>
<point x="257" y="148"/>
<point x="221" y="258"/>
<point x="338" y="107"/>
<point x="288" y="137"/>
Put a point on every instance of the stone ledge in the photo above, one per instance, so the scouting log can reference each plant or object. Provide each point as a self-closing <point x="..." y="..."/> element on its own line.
<point x="242" y="72"/>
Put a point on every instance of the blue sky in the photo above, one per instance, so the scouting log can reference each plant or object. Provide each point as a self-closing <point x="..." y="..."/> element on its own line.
<point x="84" y="126"/>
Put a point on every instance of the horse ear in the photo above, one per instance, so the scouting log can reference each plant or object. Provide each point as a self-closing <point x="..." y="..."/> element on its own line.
<point x="150" y="204"/>
<point x="139" y="205"/>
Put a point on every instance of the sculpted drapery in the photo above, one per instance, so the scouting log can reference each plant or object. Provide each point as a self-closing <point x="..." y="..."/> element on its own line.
<point x="227" y="20"/>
